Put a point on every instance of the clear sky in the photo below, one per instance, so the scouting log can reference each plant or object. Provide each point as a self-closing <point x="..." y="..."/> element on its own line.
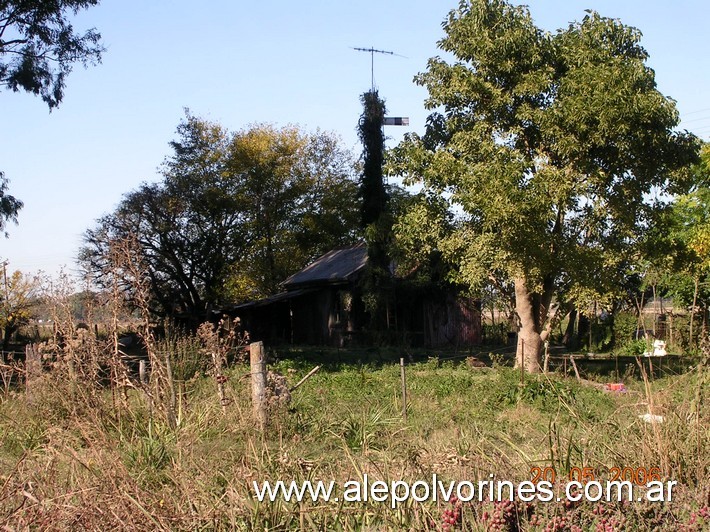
<point x="274" y="61"/>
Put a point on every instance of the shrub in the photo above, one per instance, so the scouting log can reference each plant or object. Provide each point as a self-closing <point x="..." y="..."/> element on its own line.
<point x="624" y="329"/>
<point x="635" y="348"/>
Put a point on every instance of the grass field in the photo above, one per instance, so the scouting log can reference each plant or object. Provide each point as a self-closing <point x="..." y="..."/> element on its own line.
<point x="75" y="454"/>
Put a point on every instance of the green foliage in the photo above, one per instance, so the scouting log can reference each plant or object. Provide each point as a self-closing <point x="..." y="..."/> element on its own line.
<point x="677" y="249"/>
<point x="602" y="334"/>
<point x="375" y="215"/>
<point x="635" y="348"/>
<point x="495" y="333"/>
<point x="366" y="430"/>
<point x="453" y="383"/>
<point x="624" y="329"/>
<point x="148" y="452"/>
<point x="541" y="141"/>
<point x="106" y="463"/>
<point x="681" y="333"/>
<point x="683" y="236"/>
<point x="372" y="188"/>
<point x="17" y="306"/>
<point x="23" y="438"/>
<point x="234" y="215"/>
<point x="543" y="393"/>
<point x="9" y="205"/>
<point x="43" y="46"/>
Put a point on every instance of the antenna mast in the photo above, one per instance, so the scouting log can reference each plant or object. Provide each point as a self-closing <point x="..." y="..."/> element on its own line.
<point x="372" y="52"/>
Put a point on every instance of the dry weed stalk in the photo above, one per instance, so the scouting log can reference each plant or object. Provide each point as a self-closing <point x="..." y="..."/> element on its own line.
<point x="74" y="352"/>
<point x="120" y="379"/>
<point x="277" y="390"/>
<point x="127" y="262"/>
<point x="6" y="377"/>
<point x="218" y="341"/>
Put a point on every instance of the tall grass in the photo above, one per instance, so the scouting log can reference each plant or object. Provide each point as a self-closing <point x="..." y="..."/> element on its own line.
<point x="73" y="457"/>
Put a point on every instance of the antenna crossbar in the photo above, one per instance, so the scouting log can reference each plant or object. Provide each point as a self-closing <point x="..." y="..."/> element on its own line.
<point x="372" y="51"/>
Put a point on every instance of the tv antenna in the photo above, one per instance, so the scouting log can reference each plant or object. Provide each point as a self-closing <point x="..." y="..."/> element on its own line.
<point x="372" y="52"/>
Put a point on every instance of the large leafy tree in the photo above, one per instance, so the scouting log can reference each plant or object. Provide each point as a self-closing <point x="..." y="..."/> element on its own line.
<point x="549" y="145"/>
<point x="38" y="48"/>
<point x="297" y="200"/>
<point x="234" y="215"/>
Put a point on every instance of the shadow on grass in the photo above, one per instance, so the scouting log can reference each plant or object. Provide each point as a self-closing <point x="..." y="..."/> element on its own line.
<point x="605" y="367"/>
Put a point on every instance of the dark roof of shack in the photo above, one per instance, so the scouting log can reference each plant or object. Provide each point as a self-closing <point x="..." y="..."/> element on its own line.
<point x="335" y="267"/>
<point x="277" y="298"/>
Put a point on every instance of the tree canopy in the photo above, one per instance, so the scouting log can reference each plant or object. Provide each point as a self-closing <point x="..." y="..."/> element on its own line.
<point x="18" y="299"/>
<point x="234" y="215"/>
<point x="550" y="147"/>
<point x="39" y="46"/>
<point x="676" y="257"/>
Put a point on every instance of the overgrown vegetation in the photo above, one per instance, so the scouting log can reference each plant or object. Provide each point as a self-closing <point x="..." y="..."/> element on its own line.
<point x="129" y="409"/>
<point x="76" y="452"/>
<point x="537" y="141"/>
<point x="86" y="442"/>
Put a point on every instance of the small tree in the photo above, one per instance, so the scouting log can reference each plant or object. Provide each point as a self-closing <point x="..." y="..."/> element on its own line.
<point x="18" y="298"/>
<point x="548" y="145"/>
<point x="683" y="239"/>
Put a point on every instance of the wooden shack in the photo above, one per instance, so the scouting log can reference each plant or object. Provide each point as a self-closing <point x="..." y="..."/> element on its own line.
<point x="322" y="305"/>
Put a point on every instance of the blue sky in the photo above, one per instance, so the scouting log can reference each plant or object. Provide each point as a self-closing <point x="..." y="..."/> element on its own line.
<point x="240" y="63"/>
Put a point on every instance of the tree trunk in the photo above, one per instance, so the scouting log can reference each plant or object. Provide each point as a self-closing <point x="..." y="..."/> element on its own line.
<point x="529" y="352"/>
<point x="568" y="337"/>
<point x="655" y="309"/>
<point x="531" y="336"/>
<point x="584" y="328"/>
<point x="692" y="315"/>
<point x="8" y="332"/>
<point x="640" y="324"/>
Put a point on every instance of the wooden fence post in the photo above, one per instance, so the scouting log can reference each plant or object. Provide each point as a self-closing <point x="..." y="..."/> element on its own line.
<point x="143" y="379"/>
<point x="33" y="368"/>
<point x="574" y="365"/>
<point x="257" y="362"/>
<point x="142" y="372"/>
<point x="404" y="389"/>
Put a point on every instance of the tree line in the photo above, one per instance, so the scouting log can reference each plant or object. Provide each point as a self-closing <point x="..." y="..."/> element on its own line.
<point x="552" y="175"/>
<point x="233" y="215"/>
